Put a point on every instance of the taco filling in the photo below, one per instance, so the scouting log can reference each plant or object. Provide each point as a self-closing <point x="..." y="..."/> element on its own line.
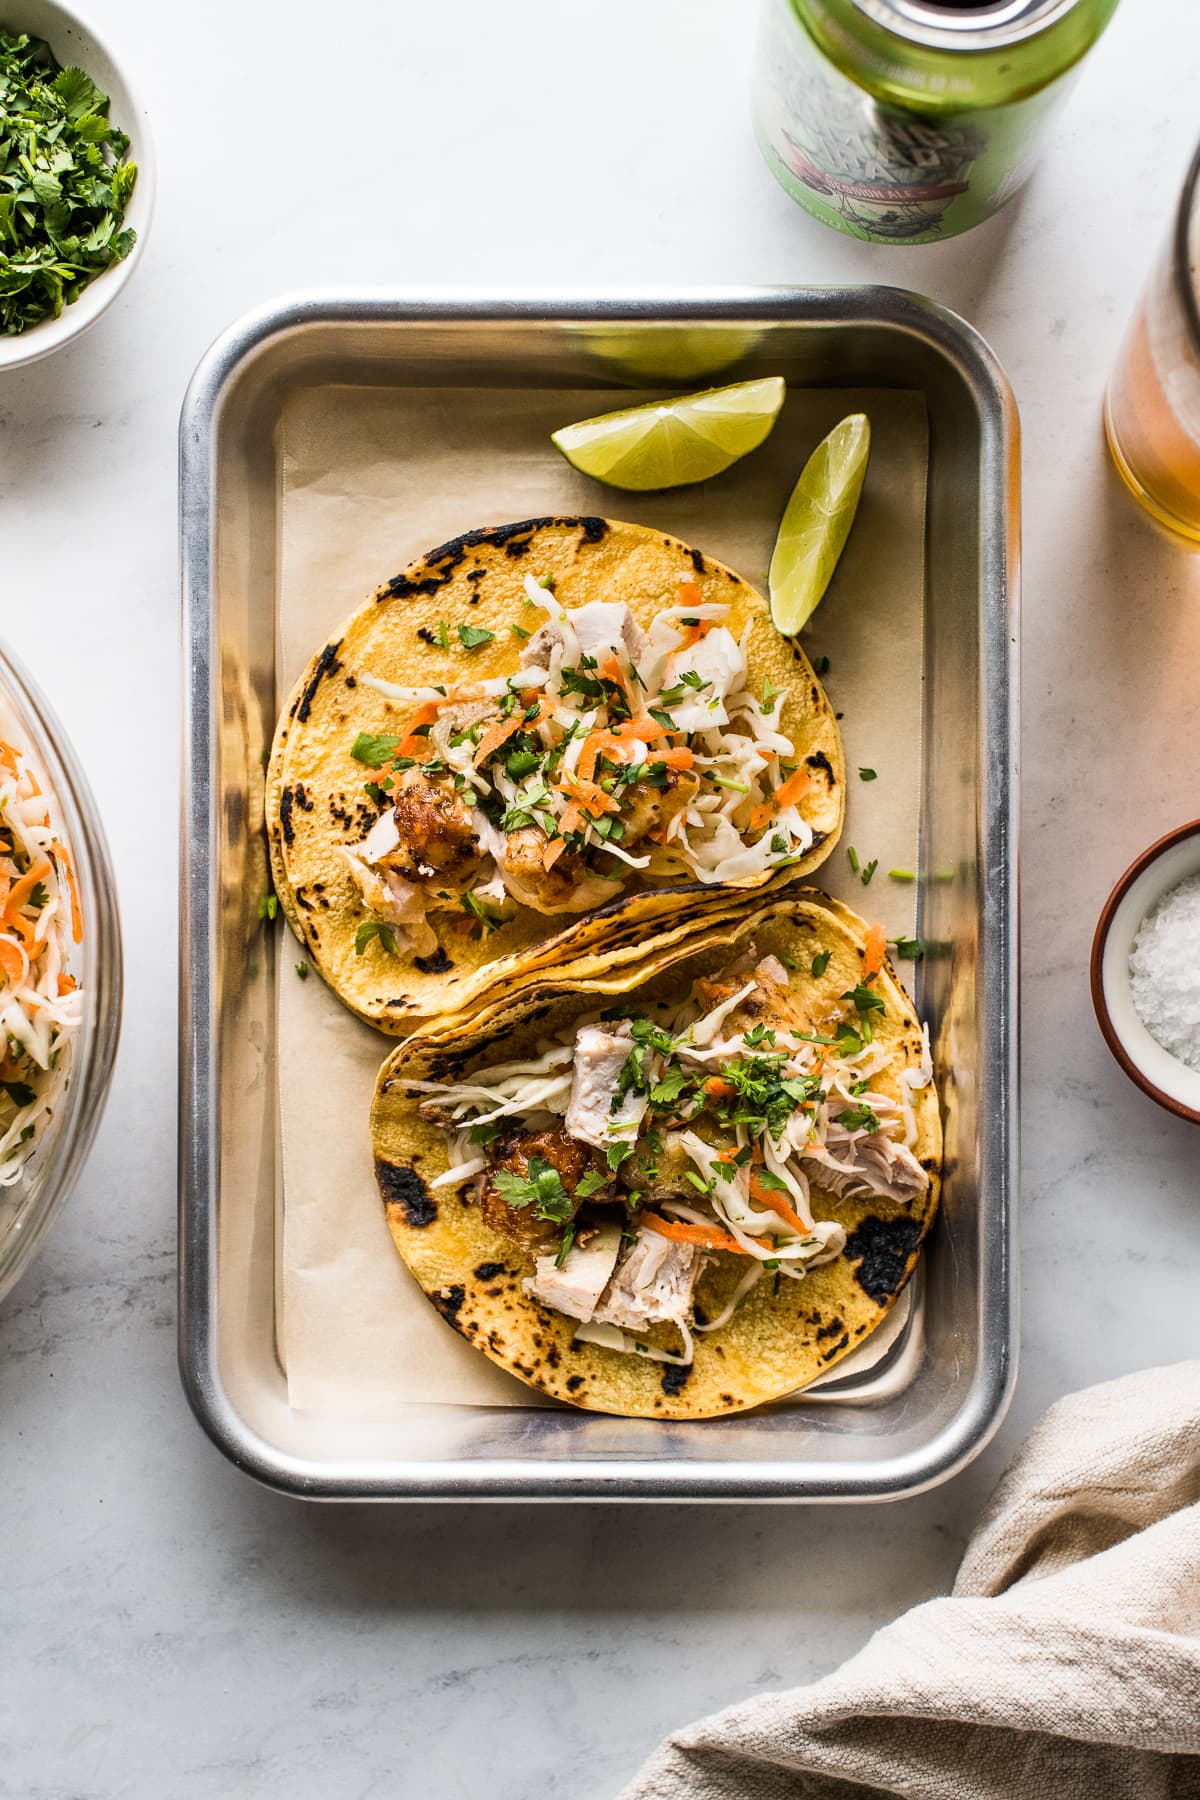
<point x="611" y="753"/>
<point x="642" y="1143"/>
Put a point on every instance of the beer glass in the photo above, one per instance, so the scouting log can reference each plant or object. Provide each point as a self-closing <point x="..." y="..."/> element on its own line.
<point x="1152" y="407"/>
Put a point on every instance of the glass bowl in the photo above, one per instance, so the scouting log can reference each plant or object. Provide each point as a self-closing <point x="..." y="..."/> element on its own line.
<point x="29" y="1207"/>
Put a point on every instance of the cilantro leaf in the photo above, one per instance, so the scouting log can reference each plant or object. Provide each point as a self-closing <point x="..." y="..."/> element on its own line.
<point x="911" y="948"/>
<point x="268" y="906"/>
<point x="820" y="962"/>
<point x="471" y="636"/>
<point x="591" y="1183"/>
<point x="372" y="928"/>
<point x="541" y="1188"/>
<point x="19" y="1092"/>
<point x="374" y="751"/>
<point x="302" y="970"/>
<point x="616" y="1155"/>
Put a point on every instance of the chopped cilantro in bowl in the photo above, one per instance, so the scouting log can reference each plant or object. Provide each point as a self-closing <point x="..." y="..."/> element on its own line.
<point x="76" y="179"/>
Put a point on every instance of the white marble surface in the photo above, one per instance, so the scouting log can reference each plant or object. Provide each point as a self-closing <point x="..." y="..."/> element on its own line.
<point x="167" y="1627"/>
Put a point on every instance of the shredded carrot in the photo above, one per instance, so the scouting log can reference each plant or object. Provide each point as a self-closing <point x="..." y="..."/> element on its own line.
<point x="66" y="984"/>
<point x="689" y="594"/>
<point x="12" y="963"/>
<point x="589" y="794"/>
<point x="794" y="788"/>
<point x="646" y="729"/>
<point x="612" y="671"/>
<point x="718" y="1089"/>
<point x="774" y="1199"/>
<point x="493" y="737"/>
<point x="76" y="910"/>
<point x="876" y="948"/>
<point x="711" y="1237"/>
<point x="20" y="890"/>
<point x="413" y="741"/>
<point x="676" y="756"/>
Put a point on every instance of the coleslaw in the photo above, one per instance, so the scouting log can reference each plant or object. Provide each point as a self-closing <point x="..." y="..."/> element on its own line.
<point x="41" y="1002"/>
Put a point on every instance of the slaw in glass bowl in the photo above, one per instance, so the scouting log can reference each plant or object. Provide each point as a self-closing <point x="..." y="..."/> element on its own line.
<point x="63" y="1011"/>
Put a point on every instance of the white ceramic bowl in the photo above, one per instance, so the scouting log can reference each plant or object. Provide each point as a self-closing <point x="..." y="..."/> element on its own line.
<point x="74" y="42"/>
<point x="1157" y="870"/>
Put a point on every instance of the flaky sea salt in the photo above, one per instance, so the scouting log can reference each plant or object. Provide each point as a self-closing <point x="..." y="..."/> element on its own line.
<point x="1164" y="970"/>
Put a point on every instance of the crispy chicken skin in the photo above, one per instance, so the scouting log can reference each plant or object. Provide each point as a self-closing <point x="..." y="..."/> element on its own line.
<point x="646" y="808"/>
<point x="437" y="834"/>
<point x="515" y="1150"/>
<point x="563" y="888"/>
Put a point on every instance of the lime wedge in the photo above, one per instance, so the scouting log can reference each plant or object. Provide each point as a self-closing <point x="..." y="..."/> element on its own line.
<point x="816" y="524"/>
<point x="670" y="443"/>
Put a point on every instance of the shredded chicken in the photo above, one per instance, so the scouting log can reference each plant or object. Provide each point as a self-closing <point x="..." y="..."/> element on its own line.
<point x="576" y="1287"/>
<point x="870" y="1163"/>
<point x="653" y="1283"/>
<point x="594" y="1115"/>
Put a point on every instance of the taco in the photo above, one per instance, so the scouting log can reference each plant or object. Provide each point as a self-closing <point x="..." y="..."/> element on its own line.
<point x="683" y="1202"/>
<point x="537" y="738"/>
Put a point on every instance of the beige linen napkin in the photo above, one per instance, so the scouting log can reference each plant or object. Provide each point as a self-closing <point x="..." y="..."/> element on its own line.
<point x="1065" y="1666"/>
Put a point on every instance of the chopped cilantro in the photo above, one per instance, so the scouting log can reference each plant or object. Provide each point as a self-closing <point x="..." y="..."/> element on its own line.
<point x="541" y="1188"/>
<point x="373" y="928"/>
<point x="666" y="1092"/>
<point x="867" y="775"/>
<point x="769" y="696"/>
<point x="483" y="1134"/>
<point x="698" y="1182"/>
<point x="19" y="1092"/>
<point x="913" y="949"/>
<point x="475" y="906"/>
<point x="591" y="1183"/>
<point x="522" y="763"/>
<point x="443" y="634"/>
<point x="65" y="181"/>
<point x="616" y="1154"/>
<point x="820" y="962"/>
<point x="374" y="751"/>
<point x="268" y="906"/>
<point x="864" y="999"/>
<point x="39" y="896"/>
<point x="471" y="636"/>
<point x="302" y="970"/>
<point x="821" y="665"/>
<point x="869" y="870"/>
<point x="854" y="1118"/>
<point x="768" y="1179"/>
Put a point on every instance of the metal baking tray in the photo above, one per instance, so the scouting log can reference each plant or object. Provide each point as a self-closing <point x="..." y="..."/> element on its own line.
<point x="891" y="1438"/>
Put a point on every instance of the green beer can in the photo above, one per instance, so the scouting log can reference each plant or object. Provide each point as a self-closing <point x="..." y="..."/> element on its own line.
<point x="908" y="121"/>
